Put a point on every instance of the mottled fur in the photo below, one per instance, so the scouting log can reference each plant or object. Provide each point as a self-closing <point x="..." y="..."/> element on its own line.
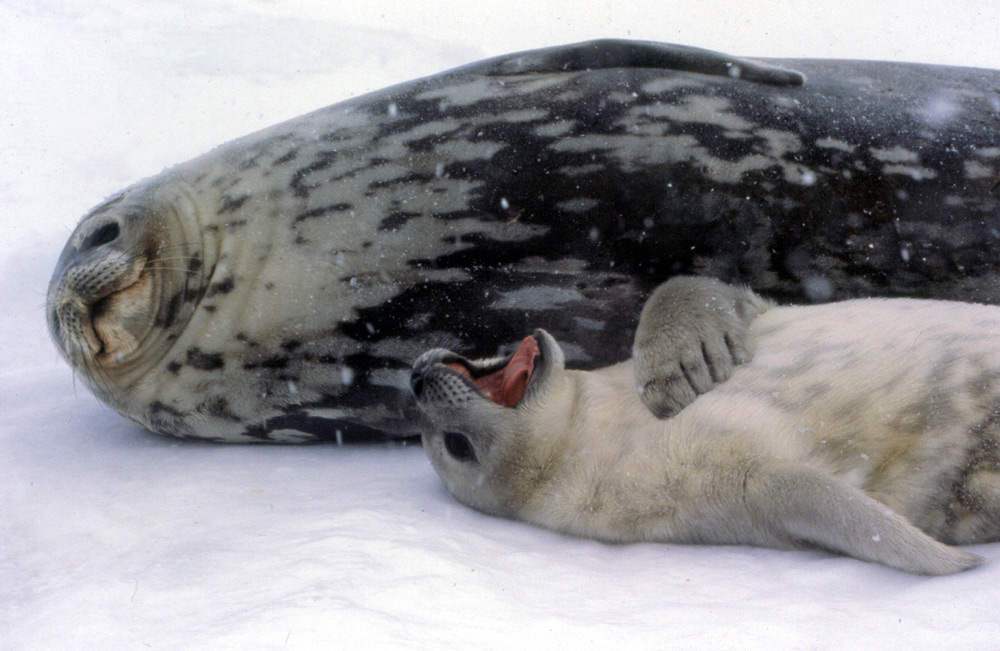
<point x="278" y="287"/>
<point x="865" y="427"/>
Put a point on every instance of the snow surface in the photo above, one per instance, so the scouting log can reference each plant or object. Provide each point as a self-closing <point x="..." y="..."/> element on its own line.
<point x="111" y="537"/>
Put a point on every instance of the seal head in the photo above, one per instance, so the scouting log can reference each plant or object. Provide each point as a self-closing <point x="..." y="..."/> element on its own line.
<point x="476" y="413"/>
<point x="125" y="285"/>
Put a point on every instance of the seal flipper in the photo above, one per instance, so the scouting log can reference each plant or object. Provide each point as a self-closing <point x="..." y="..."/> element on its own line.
<point x="617" y="53"/>
<point x="803" y="506"/>
<point x="692" y="333"/>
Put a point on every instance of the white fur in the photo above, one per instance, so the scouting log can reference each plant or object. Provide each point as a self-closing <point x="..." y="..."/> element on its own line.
<point x="859" y="427"/>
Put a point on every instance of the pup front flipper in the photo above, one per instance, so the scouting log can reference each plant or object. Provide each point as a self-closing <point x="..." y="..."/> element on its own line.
<point x="691" y="334"/>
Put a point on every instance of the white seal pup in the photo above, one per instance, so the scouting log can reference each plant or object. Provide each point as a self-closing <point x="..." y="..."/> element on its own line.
<point x="865" y="427"/>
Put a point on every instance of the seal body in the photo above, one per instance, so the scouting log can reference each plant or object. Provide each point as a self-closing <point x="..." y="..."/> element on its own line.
<point x="867" y="427"/>
<point x="278" y="287"/>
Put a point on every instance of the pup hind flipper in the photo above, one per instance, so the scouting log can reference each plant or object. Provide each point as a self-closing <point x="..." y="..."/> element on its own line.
<point x="804" y="506"/>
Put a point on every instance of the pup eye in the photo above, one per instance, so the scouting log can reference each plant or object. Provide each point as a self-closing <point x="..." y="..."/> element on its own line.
<point x="459" y="446"/>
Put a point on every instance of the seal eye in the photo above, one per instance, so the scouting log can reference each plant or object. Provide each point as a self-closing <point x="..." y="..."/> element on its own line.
<point x="459" y="446"/>
<point x="103" y="235"/>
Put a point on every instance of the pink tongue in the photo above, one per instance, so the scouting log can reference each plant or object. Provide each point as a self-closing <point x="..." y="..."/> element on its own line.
<point x="506" y="386"/>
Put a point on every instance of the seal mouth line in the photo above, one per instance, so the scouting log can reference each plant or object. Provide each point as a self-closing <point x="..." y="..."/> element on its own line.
<point x="105" y="316"/>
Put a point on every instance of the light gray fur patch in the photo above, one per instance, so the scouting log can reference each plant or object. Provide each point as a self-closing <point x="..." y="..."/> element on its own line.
<point x="833" y="143"/>
<point x="555" y="129"/>
<point x="523" y="115"/>
<point x="700" y="109"/>
<point x="895" y="154"/>
<point x="580" y="204"/>
<point x="593" y="168"/>
<point x="467" y="150"/>
<point x="915" y="173"/>
<point x="471" y="92"/>
<point x="537" y="298"/>
<point x="939" y="110"/>
<point x="668" y="84"/>
<point x="588" y="324"/>
<point x="976" y="170"/>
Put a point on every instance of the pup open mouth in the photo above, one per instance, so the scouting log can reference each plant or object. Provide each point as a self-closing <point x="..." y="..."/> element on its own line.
<point x="506" y="385"/>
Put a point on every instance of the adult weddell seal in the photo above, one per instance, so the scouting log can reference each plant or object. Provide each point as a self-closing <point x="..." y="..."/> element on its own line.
<point x="866" y="427"/>
<point x="279" y="287"/>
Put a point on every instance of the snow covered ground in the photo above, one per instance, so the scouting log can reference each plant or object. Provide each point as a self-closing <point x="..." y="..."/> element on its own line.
<point x="111" y="537"/>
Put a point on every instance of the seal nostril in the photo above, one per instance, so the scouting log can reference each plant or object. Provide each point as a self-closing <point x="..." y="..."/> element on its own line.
<point x="417" y="383"/>
<point x="104" y="235"/>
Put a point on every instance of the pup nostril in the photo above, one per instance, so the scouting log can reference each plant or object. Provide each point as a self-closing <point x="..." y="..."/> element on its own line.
<point x="104" y="235"/>
<point x="417" y="383"/>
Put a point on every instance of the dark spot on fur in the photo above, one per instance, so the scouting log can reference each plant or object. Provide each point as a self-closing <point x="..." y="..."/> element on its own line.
<point x="208" y="308"/>
<point x="165" y="419"/>
<point x="401" y="180"/>
<point x="337" y="135"/>
<point x="321" y="211"/>
<point x="396" y="220"/>
<point x="268" y="286"/>
<point x="291" y="344"/>
<point x="286" y="157"/>
<point x="219" y="407"/>
<point x="298" y="184"/>
<point x="278" y="361"/>
<point x="157" y="406"/>
<point x="222" y="287"/>
<point x="204" y="361"/>
<point x="245" y="340"/>
<point x="236" y="223"/>
<point x="194" y="265"/>
<point x="169" y="317"/>
<point x="231" y="204"/>
<point x="174" y="367"/>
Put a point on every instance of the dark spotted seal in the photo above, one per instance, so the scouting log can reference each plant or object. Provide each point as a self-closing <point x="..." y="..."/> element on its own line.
<point x="279" y="287"/>
<point x="866" y="427"/>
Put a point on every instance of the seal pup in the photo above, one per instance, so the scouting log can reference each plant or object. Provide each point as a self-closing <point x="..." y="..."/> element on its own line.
<point x="864" y="427"/>
<point x="279" y="287"/>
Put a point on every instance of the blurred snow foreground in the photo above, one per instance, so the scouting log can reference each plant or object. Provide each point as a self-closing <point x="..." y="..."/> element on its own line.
<point x="115" y="538"/>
